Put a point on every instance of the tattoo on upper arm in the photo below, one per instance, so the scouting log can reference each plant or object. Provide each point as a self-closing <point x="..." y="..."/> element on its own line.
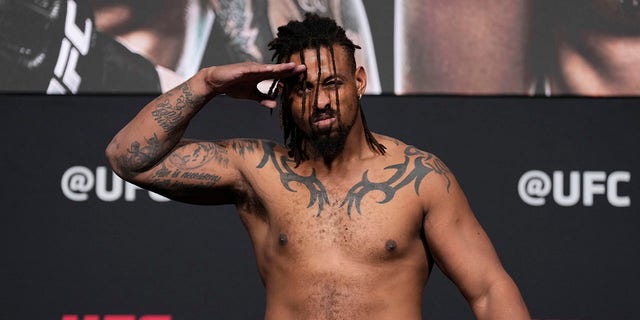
<point x="185" y="164"/>
<point x="179" y="187"/>
<point x="430" y="161"/>
<point x="243" y="146"/>
<point x="164" y="173"/>
<point x="168" y="115"/>
<point x="203" y="152"/>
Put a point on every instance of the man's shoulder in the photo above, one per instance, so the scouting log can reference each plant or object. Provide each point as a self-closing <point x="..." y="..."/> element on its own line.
<point x="247" y="146"/>
<point x="391" y="144"/>
<point x="398" y="148"/>
<point x="253" y="153"/>
<point x="418" y="163"/>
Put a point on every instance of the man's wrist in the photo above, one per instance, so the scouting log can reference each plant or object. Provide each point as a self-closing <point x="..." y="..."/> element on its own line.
<point x="201" y="86"/>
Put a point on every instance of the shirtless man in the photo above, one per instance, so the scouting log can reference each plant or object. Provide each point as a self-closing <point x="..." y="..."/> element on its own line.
<point x="345" y="223"/>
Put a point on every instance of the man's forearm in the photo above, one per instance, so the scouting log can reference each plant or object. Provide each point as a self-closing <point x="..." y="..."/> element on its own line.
<point x="157" y="128"/>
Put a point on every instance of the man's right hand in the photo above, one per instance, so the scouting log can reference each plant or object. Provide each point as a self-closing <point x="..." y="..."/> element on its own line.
<point x="241" y="80"/>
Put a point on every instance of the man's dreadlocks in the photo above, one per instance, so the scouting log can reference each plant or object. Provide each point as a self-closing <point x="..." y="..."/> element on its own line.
<point x="314" y="32"/>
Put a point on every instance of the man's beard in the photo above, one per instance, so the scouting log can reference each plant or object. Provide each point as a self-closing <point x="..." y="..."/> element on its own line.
<point x="329" y="142"/>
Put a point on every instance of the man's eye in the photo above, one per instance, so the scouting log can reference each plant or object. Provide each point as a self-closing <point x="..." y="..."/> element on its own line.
<point x="333" y="83"/>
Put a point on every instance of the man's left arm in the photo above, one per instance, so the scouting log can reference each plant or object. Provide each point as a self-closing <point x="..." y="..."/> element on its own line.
<point x="463" y="251"/>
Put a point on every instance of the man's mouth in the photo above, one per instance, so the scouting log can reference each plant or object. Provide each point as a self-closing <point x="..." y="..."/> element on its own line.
<point x="323" y="120"/>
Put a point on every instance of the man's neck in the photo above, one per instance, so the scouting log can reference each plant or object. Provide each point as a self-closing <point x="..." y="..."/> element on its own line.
<point x="355" y="150"/>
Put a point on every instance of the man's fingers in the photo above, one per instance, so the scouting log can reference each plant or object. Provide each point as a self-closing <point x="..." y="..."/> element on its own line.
<point x="269" y="103"/>
<point x="250" y="80"/>
<point x="269" y="87"/>
<point x="282" y="70"/>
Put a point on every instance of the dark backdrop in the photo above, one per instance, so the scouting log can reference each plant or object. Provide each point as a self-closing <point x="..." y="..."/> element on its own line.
<point x="119" y="253"/>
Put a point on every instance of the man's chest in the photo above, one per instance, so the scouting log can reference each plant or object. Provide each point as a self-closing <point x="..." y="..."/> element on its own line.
<point x="366" y="213"/>
<point x="360" y="202"/>
<point x="373" y="226"/>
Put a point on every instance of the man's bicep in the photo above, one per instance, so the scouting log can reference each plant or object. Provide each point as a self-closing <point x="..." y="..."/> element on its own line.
<point x="200" y="172"/>
<point x="458" y="243"/>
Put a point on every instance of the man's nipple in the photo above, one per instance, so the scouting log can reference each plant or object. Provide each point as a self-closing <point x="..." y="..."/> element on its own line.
<point x="390" y="246"/>
<point x="283" y="239"/>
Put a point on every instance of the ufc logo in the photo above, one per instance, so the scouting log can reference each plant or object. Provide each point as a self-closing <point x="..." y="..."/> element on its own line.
<point x="115" y="317"/>
<point x="75" y="43"/>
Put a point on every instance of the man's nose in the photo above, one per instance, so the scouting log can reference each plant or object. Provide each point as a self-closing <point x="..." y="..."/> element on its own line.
<point x="324" y="100"/>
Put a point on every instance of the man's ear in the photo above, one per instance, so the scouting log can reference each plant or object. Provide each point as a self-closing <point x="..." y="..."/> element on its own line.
<point x="280" y="86"/>
<point x="361" y="80"/>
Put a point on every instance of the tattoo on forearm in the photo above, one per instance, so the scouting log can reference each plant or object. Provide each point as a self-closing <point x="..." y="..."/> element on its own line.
<point x="169" y="116"/>
<point x="317" y="191"/>
<point x="166" y="115"/>
<point x="139" y="156"/>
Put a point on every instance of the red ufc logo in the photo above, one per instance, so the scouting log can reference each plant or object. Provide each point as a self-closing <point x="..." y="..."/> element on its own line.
<point x="115" y="317"/>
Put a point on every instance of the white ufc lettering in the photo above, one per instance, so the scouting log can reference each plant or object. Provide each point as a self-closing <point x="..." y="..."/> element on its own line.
<point x="75" y="43"/>
<point x="535" y="185"/>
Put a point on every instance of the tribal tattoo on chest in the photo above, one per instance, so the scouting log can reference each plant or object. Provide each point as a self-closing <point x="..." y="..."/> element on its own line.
<point x="317" y="191"/>
<point x="423" y="164"/>
<point x="415" y="167"/>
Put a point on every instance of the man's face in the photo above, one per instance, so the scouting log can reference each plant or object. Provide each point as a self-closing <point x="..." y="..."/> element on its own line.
<point x="325" y="104"/>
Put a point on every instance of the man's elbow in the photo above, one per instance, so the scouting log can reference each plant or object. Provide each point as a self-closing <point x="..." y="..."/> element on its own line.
<point x="500" y="300"/>
<point x="114" y="160"/>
